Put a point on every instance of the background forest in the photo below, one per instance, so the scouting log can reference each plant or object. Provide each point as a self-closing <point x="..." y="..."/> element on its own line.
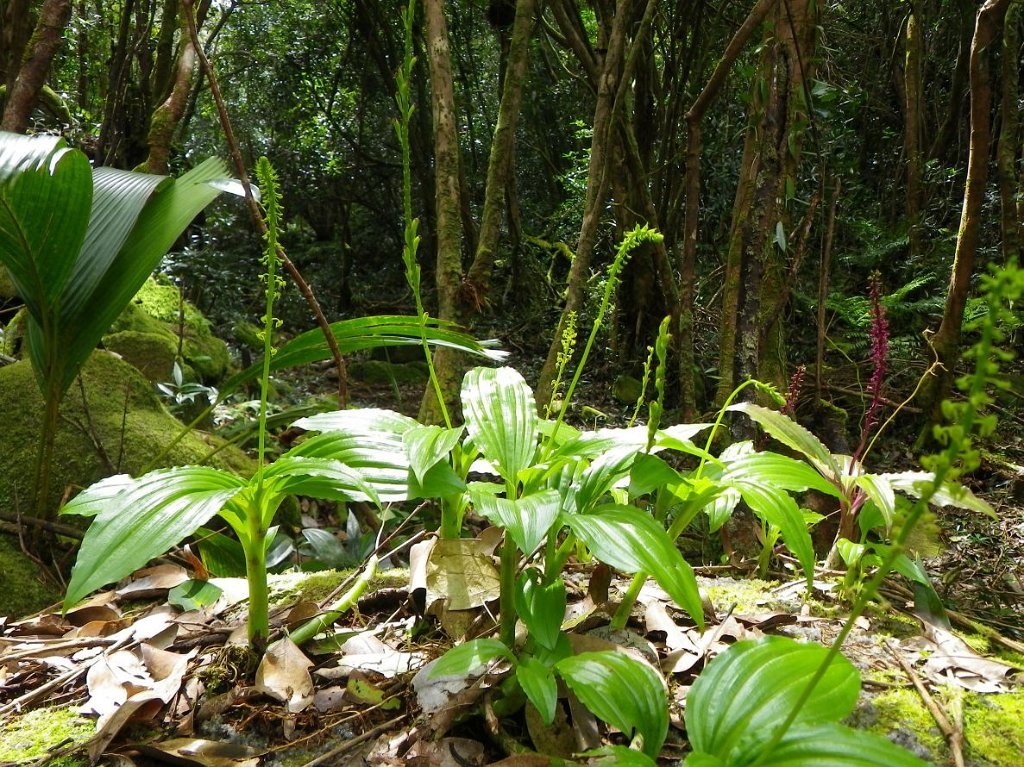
<point x="724" y="246"/>
<point x="786" y="151"/>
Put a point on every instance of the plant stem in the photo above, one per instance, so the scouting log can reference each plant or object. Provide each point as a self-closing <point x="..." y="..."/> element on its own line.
<point x="256" y="577"/>
<point x="506" y="600"/>
<point x="322" y="622"/>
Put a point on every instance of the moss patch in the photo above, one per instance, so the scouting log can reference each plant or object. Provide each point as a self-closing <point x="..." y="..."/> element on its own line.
<point x="155" y="310"/>
<point x="152" y="354"/>
<point x="123" y="416"/>
<point x="30" y="736"/>
<point x="317" y="586"/>
<point x="993" y="729"/>
<point x="23" y="592"/>
<point x="900" y="716"/>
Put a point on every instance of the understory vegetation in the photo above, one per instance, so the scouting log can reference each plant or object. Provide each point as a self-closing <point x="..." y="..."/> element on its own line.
<point x="530" y="384"/>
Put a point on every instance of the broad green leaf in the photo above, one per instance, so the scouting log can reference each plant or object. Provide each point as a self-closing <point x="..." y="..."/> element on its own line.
<point x="426" y="445"/>
<point x="590" y="444"/>
<point x="794" y="436"/>
<point x="194" y="594"/>
<point x="317" y="478"/>
<point x="776" y="507"/>
<point x="948" y="494"/>
<point x="879" y="491"/>
<point x="538" y="682"/>
<point x="378" y="456"/>
<point x="527" y="519"/>
<point x="103" y="287"/>
<point x="541" y="607"/>
<point x="619" y="756"/>
<point x="600" y="679"/>
<point x="779" y="471"/>
<point x="764" y="679"/>
<point x="222" y="556"/>
<point x="829" y="745"/>
<point x="44" y="214"/>
<point x="649" y="473"/>
<point x="598" y="478"/>
<point x="468" y="657"/>
<point x="722" y="507"/>
<point x="98" y="496"/>
<point x="501" y="417"/>
<point x="145" y="520"/>
<point x="374" y="332"/>
<point x="630" y="540"/>
<point x="366" y="420"/>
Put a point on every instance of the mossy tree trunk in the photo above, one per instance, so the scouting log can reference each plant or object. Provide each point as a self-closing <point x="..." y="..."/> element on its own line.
<point x="39" y="52"/>
<point x="946" y="341"/>
<point x="1011" y="224"/>
<point x="461" y="294"/>
<point x="607" y="71"/>
<point x="751" y="340"/>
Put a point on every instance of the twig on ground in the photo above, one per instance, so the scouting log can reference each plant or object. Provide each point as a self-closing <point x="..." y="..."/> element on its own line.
<point x="954" y="734"/>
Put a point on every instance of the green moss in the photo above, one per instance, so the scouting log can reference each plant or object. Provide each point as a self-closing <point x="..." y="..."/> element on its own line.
<point x="750" y="595"/>
<point x="627" y="389"/>
<point x="900" y="716"/>
<point x="123" y="415"/>
<point x="22" y="592"/>
<point x="317" y="586"/>
<point x="993" y="730"/>
<point x="153" y="354"/>
<point x="155" y="310"/>
<point x="30" y="736"/>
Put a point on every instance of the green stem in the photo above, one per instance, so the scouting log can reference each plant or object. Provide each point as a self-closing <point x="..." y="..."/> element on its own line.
<point x="256" y="576"/>
<point x="344" y="603"/>
<point x="44" y="456"/>
<point x="506" y="601"/>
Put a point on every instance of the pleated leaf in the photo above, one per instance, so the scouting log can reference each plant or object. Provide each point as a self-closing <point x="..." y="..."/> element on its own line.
<point x="527" y="519"/>
<point x="626" y="693"/>
<point x="764" y="679"/>
<point x="791" y="434"/>
<point x="144" y="520"/>
<point x="629" y="540"/>
<point x="501" y="418"/>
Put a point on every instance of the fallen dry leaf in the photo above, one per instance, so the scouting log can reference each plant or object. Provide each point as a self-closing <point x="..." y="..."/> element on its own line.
<point x="283" y="674"/>
<point x="192" y="752"/>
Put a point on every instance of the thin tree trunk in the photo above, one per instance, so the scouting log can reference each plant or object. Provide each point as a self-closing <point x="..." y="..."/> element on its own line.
<point x="1009" y="133"/>
<point x="597" y="187"/>
<point x="17" y="28"/>
<point x="168" y="115"/>
<point x="688" y="261"/>
<point x="946" y="341"/>
<point x="499" y="166"/>
<point x="447" y="200"/>
<point x="912" y="125"/>
<point x="46" y="40"/>
<point x="958" y="86"/>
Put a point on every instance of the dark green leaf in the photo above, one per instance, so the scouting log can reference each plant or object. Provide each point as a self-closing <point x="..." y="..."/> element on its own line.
<point x="541" y="607"/>
<point x="527" y="519"/>
<point x="538" y="682"/>
<point x="194" y="594"/>
<point x="427" y="445"/>
<point x="601" y="679"/>
<point x="630" y="540"/>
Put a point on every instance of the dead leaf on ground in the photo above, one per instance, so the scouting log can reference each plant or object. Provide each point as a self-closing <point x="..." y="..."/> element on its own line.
<point x="283" y="674"/>
<point x="948" y="658"/>
<point x="447" y="752"/>
<point x="196" y="752"/>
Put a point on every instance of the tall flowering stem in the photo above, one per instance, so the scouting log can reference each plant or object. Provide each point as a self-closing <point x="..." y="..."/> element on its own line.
<point x="879" y="361"/>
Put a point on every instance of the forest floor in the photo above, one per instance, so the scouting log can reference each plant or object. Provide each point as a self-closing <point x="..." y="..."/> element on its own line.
<point x="130" y="679"/>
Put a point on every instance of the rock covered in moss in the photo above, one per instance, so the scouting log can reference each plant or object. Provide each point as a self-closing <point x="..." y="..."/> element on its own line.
<point x="24" y="592"/>
<point x="119" y="427"/>
<point x="157" y="311"/>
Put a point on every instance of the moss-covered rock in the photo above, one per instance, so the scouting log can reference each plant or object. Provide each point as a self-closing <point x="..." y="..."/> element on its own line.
<point x="31" y="736"/>
<point x="156" y="311"/>
<point x="23" y="592"/>
<point x="152" y="354"/>
<point x="121" y="426"/>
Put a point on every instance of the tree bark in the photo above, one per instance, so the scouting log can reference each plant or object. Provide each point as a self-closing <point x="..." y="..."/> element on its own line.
<point x="46" y="40"/>
<point x="946" y="341"/>
<point x="447" y="195"/>
<point x="912" y="93"/>
<point x="597" y="187"/>
<point x="1009" y="134"/>
<point x="688" y="260"/>
<point x="958" y="85"/>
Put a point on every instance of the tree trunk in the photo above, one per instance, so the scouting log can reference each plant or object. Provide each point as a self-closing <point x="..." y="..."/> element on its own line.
<point x="1009" y="134"/>
<point x="688" y="260"/>
<point x="15" y="30"/>
<point x="946" y="341"/>
<point x="47" y="38"/>
<point x="597" y="187"/>
<point x="751" y="340"/>
<point x="912" y="93"/>
<point x="958" y="86"/>
<point x="168" y="115"/>
<point x="448" y="203"/>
